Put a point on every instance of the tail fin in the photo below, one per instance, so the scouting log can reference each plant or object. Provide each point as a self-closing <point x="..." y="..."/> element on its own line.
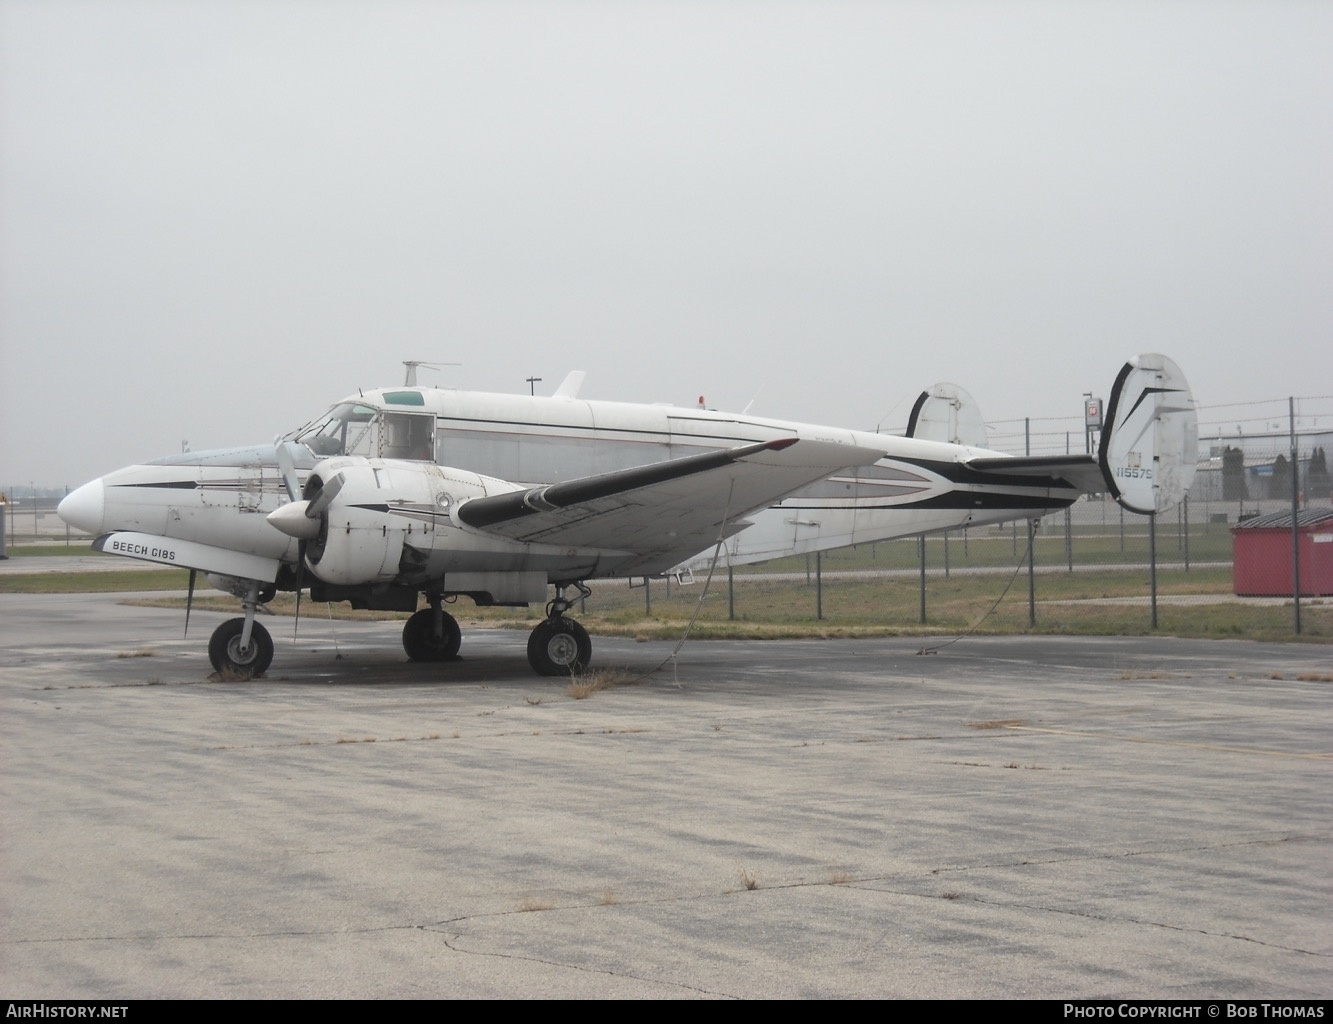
<point x="1150" y="442"/>
<point x="946" y="412"/>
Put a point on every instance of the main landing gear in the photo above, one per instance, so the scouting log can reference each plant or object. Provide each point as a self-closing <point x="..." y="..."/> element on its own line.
<point x="242" y="647"/>
<point x="432" y="634"/>
<point x="559" y="646"/>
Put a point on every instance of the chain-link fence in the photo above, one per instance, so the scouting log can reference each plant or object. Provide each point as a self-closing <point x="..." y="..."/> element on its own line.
<point x="1223" y="563"/>
<point x="1093" y="568"/>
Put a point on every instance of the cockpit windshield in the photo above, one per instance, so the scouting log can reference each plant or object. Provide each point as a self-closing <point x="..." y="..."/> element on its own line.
<point x="345" y="430"/>
<point x="353" y="428"/>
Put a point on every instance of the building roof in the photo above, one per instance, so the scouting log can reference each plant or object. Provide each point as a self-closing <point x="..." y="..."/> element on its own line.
<point x="1306" y="518"/>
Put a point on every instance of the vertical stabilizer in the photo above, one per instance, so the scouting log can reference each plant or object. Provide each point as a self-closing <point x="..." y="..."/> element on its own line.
<point x="947" y="413"/>
<point x="571" y="385"/>
<point x="1150" y="444"/>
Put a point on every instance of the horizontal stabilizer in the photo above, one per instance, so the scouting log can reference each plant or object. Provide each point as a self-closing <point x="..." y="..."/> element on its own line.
<point x="1081" y="471"/>
<point x="1149" y="446"/>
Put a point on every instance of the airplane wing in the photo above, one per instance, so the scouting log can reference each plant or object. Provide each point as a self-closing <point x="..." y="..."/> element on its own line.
<point x="666" y="511"/>
<point x="1080" y="471"/>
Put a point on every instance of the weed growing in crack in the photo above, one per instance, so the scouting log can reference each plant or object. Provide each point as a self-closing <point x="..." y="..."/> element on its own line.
<point x="589" y="683"/>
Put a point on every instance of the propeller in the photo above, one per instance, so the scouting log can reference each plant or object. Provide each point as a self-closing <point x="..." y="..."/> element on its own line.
<point x="300" y="517"/>
<point x="292" y="520"/>
<point x="189" y="601"/>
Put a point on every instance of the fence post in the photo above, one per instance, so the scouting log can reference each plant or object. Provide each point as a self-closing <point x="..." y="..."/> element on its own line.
<point x="819" y="585"/>
<point x="1069" y="538"/>
<point x="731" y="593"/>
<point x="1032" y="572"/>
<point x="921" y="553"/>
<point x="647" y="597"/>
<point x="1295" y="527"/>
<point x="1152" y="563"/>
<point x="1185" y="503"/>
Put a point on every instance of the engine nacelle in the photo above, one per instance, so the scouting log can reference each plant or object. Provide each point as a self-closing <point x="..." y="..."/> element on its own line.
<point x="367" y="521"/>
<point x="359" y="539"/>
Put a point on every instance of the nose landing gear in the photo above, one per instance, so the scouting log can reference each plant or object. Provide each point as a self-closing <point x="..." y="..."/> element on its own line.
<point x="242" y="647"/>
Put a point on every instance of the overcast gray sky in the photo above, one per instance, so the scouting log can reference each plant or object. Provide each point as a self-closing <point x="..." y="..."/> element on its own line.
<point x="218" y="218"/>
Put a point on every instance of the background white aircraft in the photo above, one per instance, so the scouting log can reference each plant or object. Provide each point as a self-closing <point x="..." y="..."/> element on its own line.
<point x="398" y="493"/>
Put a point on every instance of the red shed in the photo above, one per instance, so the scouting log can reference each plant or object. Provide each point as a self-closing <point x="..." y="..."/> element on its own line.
<point x="1261" y="554"/>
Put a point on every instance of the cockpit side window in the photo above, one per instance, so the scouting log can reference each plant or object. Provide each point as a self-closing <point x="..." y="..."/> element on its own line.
<point x="408" y="436"/>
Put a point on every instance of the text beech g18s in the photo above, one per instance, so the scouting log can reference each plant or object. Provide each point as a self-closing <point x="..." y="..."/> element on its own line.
<point x="414" y="491"/>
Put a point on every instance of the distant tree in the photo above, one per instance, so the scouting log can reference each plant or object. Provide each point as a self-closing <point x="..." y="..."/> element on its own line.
<point x="1317" y="483"/>
<point x="1280" y="482"/>
<point x="1233" y="475"/>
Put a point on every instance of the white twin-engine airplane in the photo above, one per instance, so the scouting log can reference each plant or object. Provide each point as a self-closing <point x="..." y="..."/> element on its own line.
<point x="402" y="492"/>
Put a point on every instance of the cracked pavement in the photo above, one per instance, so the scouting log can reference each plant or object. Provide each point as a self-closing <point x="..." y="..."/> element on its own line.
<point x="1012" y="817"/>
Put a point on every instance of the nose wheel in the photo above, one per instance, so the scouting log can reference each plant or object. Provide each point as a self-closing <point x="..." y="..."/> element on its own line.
<point x="242" y="647"/>
<point x="229" y="653"/>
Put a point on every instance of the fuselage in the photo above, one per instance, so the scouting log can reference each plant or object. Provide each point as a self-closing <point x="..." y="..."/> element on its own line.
<point x="221" y="498"/>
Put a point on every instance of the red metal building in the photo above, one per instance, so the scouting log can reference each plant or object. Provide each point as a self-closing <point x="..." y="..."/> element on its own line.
<point x="1261" y="554"/>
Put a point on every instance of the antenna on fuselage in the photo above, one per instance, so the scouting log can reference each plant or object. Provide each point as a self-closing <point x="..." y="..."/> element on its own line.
<point x="750" y="403"/>
<point x="410" y="380"/>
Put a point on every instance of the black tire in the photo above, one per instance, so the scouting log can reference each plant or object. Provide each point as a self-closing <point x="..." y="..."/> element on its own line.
<point x="224" y="650"/>
<point x="421" y="644"/>
<point x="559" y="647"/>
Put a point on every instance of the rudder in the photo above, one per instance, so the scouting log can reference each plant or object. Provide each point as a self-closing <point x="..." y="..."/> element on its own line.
<point x="1150" y="444"/>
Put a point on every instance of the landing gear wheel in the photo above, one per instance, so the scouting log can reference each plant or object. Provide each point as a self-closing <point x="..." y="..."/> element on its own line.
<point x="559" y="647"/>
<point x="227" y="655"/>
<point x="421" y="644"/>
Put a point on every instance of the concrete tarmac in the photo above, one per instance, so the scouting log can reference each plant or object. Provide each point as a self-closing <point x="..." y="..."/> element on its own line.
<point x="1014" y="817"/>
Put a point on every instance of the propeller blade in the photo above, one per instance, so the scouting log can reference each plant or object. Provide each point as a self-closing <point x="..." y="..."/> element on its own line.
<point x="287" y="467"/>
<point x="189" y="601"/>
<point x="326" y="494"/>
<point x="300" y="573"/>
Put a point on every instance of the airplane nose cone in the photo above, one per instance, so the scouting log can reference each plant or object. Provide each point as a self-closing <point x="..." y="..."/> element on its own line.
<point x="291" y="520"/>
<point x="84" y="507"/>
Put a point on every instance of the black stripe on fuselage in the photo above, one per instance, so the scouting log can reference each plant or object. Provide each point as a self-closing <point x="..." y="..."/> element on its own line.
<point x="961" y="473"/>
<point x="176" y="485"/>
